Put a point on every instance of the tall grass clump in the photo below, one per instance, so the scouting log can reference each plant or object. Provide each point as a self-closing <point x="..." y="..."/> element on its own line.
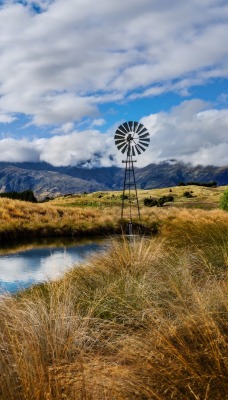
<point x="223" y="202"/>
<point x="146" y="319"/>
<point x="18" y="219"/>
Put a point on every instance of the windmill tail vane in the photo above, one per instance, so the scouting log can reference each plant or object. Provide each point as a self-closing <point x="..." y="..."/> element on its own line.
<point x="132" y="139"/>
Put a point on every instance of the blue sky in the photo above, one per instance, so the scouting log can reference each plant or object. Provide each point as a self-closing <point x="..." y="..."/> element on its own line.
<point x="72" y="71"/>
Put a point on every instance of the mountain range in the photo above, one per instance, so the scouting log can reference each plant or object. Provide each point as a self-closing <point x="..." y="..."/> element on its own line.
<point x="48" y="181"/>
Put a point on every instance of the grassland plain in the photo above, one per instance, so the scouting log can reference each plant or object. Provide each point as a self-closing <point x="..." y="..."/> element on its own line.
<point x="95" y="213"/>
<point x="147" y="319"/>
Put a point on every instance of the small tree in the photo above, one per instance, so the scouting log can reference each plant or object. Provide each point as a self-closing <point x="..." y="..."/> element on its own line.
<point x="124" y="196"/>
<point x="224" y="201"/>
<point x="150" y="202"/>
<point x="165" y="199"/>
<point x="187" y="194"/>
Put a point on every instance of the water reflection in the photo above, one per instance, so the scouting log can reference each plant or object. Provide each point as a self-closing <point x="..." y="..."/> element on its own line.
<point x="37" y="261"/>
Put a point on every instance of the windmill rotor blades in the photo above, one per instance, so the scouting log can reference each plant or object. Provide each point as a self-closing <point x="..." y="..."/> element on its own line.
<point x="125" y="148"/>
<point x="119" y="132"/>
<point x="144" y="144"/>
<point x="132" y="138"/>
<point x="137" y="149"/>
<point x="117" y="136"/>
<point x="144" y="140"/>
<point x="144" y="136"/>
<point x="135" y="125"/>
<point x="119" y="141"/>
<point x="141" y="147"/>
<point x="121" y="145"/>
<point x="131" y="125"/>
<point x="126" y="127"/>
<point x="142" y="132"/>
<point x="139" y="128"/>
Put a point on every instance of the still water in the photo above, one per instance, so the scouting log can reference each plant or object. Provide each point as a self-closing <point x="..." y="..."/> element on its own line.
<point x="26" y="263"/>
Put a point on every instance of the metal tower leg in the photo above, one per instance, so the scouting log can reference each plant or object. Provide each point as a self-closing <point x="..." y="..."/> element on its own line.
<point x="129" y="186"/>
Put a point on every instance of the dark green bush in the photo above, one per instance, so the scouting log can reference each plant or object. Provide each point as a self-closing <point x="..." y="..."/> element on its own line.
<point x="150" y="202"/>
<point x="205" y="184"/>
<point x="165" y="199"/>
<point x="187" y="194"/>
<point x="26" y="195"/>
<point x="124" y="196"/>
<point x="224" y="200"/>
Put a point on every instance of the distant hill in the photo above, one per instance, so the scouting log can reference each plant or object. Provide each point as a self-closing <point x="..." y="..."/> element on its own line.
<point x="171" y="174"/>
<point x="46" y="180"/>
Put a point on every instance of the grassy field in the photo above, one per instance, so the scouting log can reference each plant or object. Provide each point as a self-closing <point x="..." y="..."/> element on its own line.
<point x="147" y="319"/>
<point x="95" y="213"/>
<point x="201" y="197"/>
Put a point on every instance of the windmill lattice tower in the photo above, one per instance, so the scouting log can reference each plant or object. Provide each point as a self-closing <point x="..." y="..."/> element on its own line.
<point x="132" y="139"/>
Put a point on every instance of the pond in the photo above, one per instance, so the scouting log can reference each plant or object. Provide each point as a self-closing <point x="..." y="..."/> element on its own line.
<point x="25" y="263"/>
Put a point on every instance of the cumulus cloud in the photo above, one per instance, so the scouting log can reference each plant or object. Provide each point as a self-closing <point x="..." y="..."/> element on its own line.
<point x="13" y="150"/>
<point x="193" y="132"/>
<point x="98" y="122"/>
<point x="88" y="148"/>
<point x="62" y="60"/>
<point x="58" y="65"/>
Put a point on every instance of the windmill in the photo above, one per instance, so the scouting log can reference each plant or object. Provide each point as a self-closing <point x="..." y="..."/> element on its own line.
<point x="132" y="139"/>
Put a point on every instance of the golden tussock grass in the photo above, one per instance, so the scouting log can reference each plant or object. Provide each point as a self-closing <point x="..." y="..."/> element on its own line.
<point x="147" y="319"/>
<point x="19" y="218"/>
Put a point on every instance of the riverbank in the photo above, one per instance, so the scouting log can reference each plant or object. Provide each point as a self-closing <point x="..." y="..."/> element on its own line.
<point x="23" y="219"/>
<point x="18" y="219"/>
<point x="145" y="320"/>
<point x="65" y="217"/>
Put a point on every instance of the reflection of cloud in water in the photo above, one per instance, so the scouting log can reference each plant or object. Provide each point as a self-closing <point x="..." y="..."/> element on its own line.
<point x="12" y="269"/>
<point x="55" y="265"/>
<point x="37" y="265"/>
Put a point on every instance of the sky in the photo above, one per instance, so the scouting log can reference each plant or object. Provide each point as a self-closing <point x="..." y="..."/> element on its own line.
<point x="72" y="71"/>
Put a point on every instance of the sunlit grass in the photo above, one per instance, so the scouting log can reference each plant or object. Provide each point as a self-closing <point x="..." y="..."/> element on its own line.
<point x="91" y="214"/>
<point x="112" y="198"/>
<point x="23" y="218"/>
<point x="147" y="319"/>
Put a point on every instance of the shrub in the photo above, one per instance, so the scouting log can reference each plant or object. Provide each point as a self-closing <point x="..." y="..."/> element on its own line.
<point x="187" y="194"/>
<point x="26" y="195"/>
<point x="150" y="202"/>
<point x="205" y="184"/>
<point x="124" y="196"/>
<point x="165" y="199"/>
<point x="224" y="201"/>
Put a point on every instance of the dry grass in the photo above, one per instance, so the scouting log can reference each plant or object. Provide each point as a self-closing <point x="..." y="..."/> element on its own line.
<point x="19" y="218"/>
<point x="94" y="215"/>
<point x="203" y="196"/>
<point x="145" y="320"/>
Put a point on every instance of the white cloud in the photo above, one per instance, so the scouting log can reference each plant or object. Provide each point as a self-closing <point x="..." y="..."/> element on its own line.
<point x="13" y="150"/>
<point x="192" y="132"/>
<point x="65" y="128"/>
<point x="51" y="266"/>
<point x="6" y="118"/>
<point x="58" y="65"/>
<point x="98" y="122"/>
<point x="78" y="147"/>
